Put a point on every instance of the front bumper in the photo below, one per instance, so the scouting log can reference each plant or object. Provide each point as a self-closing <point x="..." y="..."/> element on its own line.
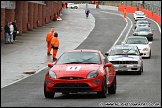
<point x="127" y="67"/>
<point x="81" y="85"/>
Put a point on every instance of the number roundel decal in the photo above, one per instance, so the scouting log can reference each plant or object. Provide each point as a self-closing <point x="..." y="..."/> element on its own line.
<point x="73" y="68"/>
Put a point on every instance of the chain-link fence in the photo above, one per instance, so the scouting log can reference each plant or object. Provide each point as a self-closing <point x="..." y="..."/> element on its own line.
<point x="154" y="6"/>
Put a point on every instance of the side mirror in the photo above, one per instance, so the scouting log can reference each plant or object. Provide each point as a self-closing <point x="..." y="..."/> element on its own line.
<point x="108" y="65"/>
<point x="141" y="54"/>
<point x="107" y="54"/>
<point x="50" y="65"/>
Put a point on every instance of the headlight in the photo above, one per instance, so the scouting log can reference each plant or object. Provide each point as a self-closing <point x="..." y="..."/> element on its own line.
<point x="145" y="49"/>
<point x="51" y="74"/>
<point x="92" y="74"/>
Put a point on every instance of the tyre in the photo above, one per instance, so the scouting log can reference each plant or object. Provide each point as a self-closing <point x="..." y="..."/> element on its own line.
<point x="149" y="55"/>
<point x="75" y="7"/>
<point x="103" y="93"/>
<point x="112" y="89"/>
<point x="140" y="71"/>
<point x="142" y="68"/>
<point x="48" y="94"/>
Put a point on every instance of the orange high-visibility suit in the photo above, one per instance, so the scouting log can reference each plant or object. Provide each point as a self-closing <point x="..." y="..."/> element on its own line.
<point x="55" y="45"/>
<point x="125" y="13"/>
<point x="48" y="39"/>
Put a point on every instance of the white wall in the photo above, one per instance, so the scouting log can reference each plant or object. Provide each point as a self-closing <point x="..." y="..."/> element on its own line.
<point x="100" y="6"/>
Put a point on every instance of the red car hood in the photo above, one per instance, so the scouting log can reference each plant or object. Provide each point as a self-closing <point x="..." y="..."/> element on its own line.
<point x="75" y="70"/>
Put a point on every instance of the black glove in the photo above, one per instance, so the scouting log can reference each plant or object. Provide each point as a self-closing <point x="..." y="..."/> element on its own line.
<point x="53" y="47"/>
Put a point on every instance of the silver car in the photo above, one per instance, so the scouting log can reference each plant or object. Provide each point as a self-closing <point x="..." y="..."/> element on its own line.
<point x="144" y="32"/>
<point x="126" y="58"/>
<point x="140" y="23"/>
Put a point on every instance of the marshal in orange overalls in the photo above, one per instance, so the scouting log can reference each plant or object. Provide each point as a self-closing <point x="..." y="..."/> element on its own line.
<point x="48" y="39"/>
<point x="55" y="45"/>
<point x="125" y="12"/>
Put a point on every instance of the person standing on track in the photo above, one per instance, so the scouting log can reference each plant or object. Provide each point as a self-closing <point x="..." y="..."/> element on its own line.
<point x="87" y="11"/>
<point x="55" y="45"/>
<point x="48" y="40"/>
<point x="125" y="12"/>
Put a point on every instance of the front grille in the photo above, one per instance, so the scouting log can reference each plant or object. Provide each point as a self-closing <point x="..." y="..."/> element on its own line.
<point x="71" y="78"/>
<point x="134" y="68"/>
<point x="124" y="62"/>
<point x="71" y="87"/>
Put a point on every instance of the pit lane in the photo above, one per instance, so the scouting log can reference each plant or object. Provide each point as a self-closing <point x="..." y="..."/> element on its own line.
<point x="130" y="88"/>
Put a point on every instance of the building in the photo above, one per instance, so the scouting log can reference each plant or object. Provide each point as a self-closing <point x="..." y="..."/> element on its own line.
<point x="29" y="14"/>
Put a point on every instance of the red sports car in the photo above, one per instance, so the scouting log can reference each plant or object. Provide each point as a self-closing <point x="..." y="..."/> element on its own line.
<point x="81" y="70"/>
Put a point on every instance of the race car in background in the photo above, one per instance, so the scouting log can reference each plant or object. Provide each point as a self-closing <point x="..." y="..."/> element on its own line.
<point x="142" y="43"/>
<point x="145" y="32"/>
<point x="138" y="15"/>
<point x="126" y="58"/>
<point x="140" y="23"/>
<point x="80" y="71"/>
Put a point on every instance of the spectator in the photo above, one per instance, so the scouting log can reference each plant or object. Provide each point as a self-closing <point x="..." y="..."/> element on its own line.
<point x="15" y="30"/>
<point x="7" y="32"/>
<point x="10" y="39"/>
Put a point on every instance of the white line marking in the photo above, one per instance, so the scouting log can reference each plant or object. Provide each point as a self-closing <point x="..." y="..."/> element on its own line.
<point x="25" y="77"/>
<point x="123" y="29"/>
<point x="129" y="28"/>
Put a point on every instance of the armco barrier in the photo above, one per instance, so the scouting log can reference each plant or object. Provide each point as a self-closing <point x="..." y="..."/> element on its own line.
<point x="148" y="13"/>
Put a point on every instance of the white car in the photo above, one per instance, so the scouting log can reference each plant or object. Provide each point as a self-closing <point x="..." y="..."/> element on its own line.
<point x="126" y="58"/>
<point x="142" y="43"/>
<point x="139" y="15"/>
<point x="72" y="6"/>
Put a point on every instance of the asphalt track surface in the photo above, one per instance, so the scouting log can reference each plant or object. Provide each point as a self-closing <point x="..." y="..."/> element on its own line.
<point x="132" y="90"/>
